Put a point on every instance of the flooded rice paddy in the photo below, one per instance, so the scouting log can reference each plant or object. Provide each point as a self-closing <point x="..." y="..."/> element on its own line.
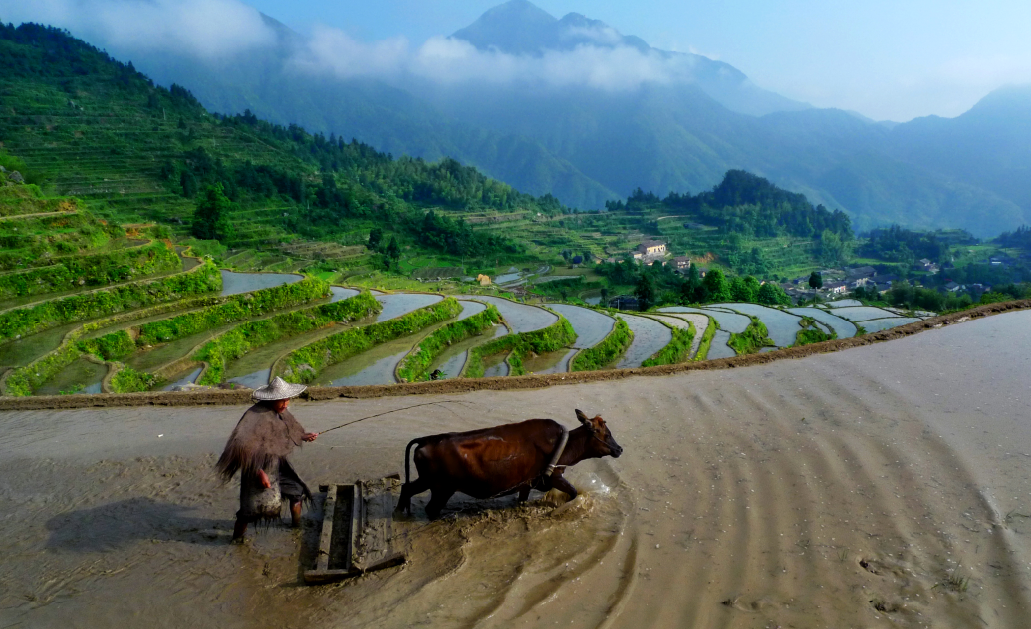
<point x="727" y="320"/>
<point x="591" y="326"/>
<point x="236" y="283"/>
<point x="399" y="304"/>
<point x="863" y="313"/>
<point x="843" y="303"/>
<point x="649" y="337"/>
<point x="782" y="326"/>
<point x="521" y="317"/>
<point x="378" y="365"/>
<point x="719" y="348"/>
<point x="842" y="327"/>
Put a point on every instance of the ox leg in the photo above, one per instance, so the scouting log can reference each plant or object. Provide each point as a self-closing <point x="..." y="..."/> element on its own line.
<point x="438" y="499"/>
<point x="563" y="485"/>
<point x="404" y="502"/>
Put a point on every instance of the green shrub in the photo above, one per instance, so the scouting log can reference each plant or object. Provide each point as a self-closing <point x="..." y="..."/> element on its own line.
<point x="18" y="322"/>
<point x="552" y="338"/>
<point x="234" y="343"/>
<point x="678" y="350"/>
<point x="811" y="333"/>
<point x="90" y="270"/>
<point x="128" y="380"/>
<point x="754" y="338"/>
<point x="413" y="367"/>
<point x="611" y="347"/>
<point x="236" y="308"/>
<point x="305" y="364"/>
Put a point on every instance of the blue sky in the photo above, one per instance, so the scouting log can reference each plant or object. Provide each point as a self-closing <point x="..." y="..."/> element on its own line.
<point x="885" y="59"/>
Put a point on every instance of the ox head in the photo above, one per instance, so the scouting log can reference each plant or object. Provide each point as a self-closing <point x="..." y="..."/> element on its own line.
<point x="603" y="443"/>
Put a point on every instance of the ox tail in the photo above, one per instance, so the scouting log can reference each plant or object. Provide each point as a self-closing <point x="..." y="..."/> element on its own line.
<point x="405" y="502"/>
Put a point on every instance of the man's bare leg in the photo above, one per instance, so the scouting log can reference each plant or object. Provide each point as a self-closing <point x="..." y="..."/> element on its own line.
<point x="295" y="513"/>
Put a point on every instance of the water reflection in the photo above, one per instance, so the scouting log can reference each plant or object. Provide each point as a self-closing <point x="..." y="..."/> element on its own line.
<point x="234" y="283"/>
<point x="649" y="337"/>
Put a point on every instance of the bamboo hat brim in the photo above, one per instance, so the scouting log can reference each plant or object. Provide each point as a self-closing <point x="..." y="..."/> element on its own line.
<point x="278" y="389"/>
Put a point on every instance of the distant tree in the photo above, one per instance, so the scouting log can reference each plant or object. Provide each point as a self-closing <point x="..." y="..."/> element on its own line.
<point x="211" y="217"/>
<point x="744" y="289"/>
<point x="566" y="253"/>
<point x="375" y="238"/>
<point x="588" y="257"/>
<point x="815" y="280"/>
<point x="717" y="289"/>
<point x="605" y="295"/>
<point x="771" y="294"/>
<point x="393" y="249"/>
<point x="645" y="292"/>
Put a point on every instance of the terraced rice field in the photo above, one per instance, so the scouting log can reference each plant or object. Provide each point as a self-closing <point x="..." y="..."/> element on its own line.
<point x="863" y="313"/>
<point x="591" y="326"/>
<point x="782" y="326"/>
<point x="237" y="283"/>
<point x="842" y="327"/>
<point x="520" y="317"/>
<point x="649" y="337"/>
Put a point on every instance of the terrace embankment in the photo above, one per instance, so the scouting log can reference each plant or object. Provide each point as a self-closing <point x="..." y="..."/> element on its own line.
<point x="217" y="396"/>
<point x="887" y="486"/>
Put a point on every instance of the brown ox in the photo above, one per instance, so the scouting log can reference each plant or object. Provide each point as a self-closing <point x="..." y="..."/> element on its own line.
<point x="501" y="460"/>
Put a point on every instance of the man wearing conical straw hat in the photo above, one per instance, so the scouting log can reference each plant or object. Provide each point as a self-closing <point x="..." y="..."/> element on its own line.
<point x="258" y="447"/>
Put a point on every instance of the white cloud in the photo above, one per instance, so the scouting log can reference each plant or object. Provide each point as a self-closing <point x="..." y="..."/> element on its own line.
<point x="450" y="61"/>
<point x="204" y="28"/>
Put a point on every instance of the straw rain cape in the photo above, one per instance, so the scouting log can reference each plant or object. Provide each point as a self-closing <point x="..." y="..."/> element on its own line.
<point x="261" y="438"/>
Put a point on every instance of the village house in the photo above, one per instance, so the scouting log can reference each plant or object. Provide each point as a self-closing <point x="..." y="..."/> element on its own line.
<point x="835" y="288"/>
<point x="681" y="263"/>
<point x="652" y="248"/>
<point x="862" y="272"/>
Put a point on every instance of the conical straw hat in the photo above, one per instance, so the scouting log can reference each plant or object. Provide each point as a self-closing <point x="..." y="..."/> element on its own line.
<point x="278" y="389"/>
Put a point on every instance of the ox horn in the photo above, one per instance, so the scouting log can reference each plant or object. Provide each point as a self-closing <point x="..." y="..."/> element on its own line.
<point x="582" y="417"/>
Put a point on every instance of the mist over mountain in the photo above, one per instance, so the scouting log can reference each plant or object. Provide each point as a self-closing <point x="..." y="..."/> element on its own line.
<point x="573" y="107"/>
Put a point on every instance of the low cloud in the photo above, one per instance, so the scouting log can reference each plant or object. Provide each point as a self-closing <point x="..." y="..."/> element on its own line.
<point x="215" y="29"/>
<point x="202" y="28"/>
<point x="452" y="62"/>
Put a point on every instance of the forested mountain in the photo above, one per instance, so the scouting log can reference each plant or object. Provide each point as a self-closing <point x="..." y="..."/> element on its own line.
<point x="588" y="144"/>
<point x="93" y="127"/>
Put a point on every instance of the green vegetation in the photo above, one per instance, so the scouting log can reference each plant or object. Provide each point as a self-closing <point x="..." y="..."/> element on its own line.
<point x="211" y="218"/>
<point x="90" y="270"/>
<point x="754" y="338"/>
<point x="605" y="353"/>
<point x="413" y="367"/>
<point x="812" y="333"/>
<point x="678" y="350"/>
<point x="706" y="342"/>
<point x="18" y="322"/>
<point x="128" y="380"/>
<point x="234" y="343"/>
<point x="234" y="308"/>
<point x="550" y="339"/>
<point x="304" y="364"/>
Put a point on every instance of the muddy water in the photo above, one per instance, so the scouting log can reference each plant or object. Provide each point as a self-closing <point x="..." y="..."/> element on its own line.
<point x="399" y="304"/>
<point x="881" y="487"/>
<point x="843" y="303"/>
<point x="165" y="353"/>
<point x="235" y="283"/>
<point x="81" y="376"/>
<point x="495" y="366"/>
<point x="591" y="327"/>
<point x="550" y="362"/>
<point x="843" y="327"/>
<point x="719" y="348"/>
<point x="520" y="317"/>
<point x="649" y="337"/>
<point x="863" y="313"/>
<point x="782" y="326"/>
<point x="27" y="349"/>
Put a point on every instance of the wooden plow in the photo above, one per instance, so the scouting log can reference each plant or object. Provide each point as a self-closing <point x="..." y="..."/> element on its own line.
<point x="357" y="530"/>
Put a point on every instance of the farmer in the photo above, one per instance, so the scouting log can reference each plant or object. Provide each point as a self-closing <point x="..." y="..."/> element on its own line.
<point x="258" y="447"/>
